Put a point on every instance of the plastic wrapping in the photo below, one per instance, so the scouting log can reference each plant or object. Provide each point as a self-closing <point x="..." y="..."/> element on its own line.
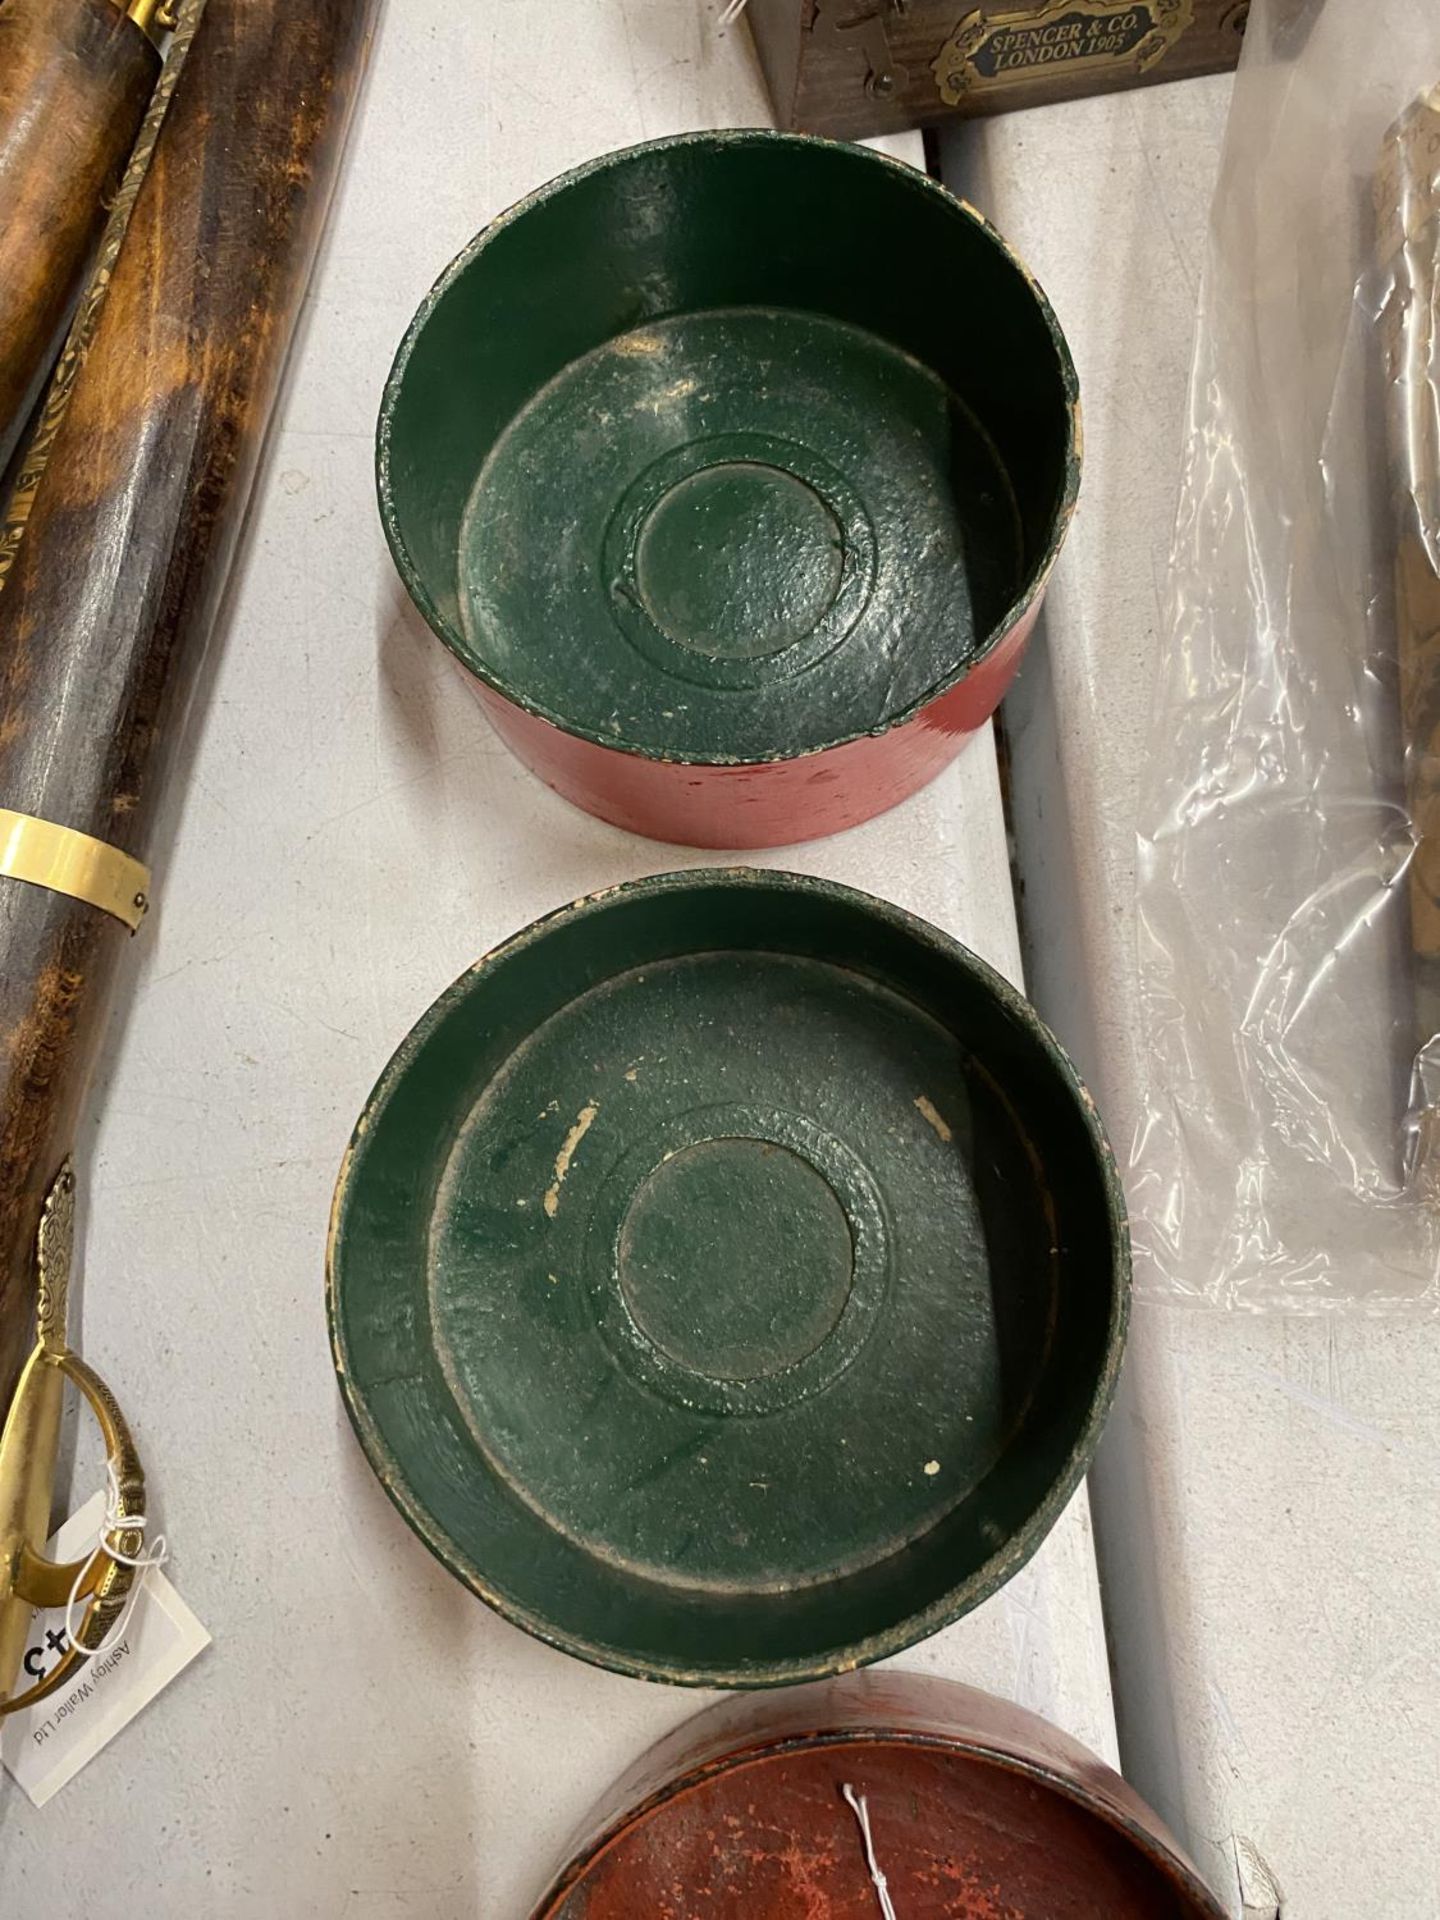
<point x="1289" y="941"/>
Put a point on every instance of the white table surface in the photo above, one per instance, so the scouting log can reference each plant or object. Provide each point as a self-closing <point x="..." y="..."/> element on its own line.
<point x="364" y="1738"/>
<point x="1265" y="1497"/>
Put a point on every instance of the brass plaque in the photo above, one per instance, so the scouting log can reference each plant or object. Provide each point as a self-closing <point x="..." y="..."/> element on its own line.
<point x="988" y="49"/>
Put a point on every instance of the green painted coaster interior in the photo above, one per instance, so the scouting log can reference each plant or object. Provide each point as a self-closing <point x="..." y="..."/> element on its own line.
<point x="729" y="447"/>
<point x="728" y="1278"/>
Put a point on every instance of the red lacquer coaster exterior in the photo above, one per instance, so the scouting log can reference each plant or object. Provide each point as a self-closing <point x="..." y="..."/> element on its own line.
<point x="770" y="803"/>
<point x="977" y="1810"/>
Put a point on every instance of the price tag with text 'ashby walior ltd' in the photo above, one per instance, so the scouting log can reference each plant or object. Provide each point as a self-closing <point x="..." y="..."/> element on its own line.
<point x="48" y="1745"/>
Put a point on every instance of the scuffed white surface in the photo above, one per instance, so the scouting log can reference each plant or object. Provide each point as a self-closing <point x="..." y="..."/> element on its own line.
<point x="365" y="1739"/>
<point x="1266" y="1495"/>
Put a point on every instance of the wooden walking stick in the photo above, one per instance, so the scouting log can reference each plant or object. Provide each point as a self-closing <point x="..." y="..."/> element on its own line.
<point x="75" y="76"/>
<point x="25" y="475"/>
<point x="105" y="614"/>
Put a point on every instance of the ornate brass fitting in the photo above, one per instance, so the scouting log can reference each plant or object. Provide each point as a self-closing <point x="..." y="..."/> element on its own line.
<point x="156" y="19"/>
<point x="28" y="1447"/>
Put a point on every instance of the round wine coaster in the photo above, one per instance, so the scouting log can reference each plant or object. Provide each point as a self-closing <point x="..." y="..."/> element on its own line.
<point x="728" y="1278"/>
<point x="733" y="466"/>
<point x="887" y="1796"/>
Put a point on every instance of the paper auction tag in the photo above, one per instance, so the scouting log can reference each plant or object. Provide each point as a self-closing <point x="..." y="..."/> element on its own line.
<point x="49" y="1744"/>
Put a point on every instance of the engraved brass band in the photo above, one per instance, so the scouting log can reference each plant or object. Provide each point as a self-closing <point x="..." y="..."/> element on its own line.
<point x="28" y="1446"/>
<point x="156" y="19"/>
<point x="73" y="863"/>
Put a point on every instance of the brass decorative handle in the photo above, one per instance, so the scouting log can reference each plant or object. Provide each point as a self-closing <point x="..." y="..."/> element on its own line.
<point x="105" y="1577"/>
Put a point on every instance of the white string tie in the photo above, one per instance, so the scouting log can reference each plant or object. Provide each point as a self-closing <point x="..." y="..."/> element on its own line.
<point x="730" y="13"/>
<point x="859" y="1808"/>
<point x="113" y="1523"/>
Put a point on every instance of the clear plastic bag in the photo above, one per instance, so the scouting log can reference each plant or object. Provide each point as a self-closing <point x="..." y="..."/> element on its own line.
<point x="1288" y="986"/>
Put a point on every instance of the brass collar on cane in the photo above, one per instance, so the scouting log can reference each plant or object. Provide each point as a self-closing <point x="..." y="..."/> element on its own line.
<point x="77" y="864"/>
<point x="28" y="1447"/>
